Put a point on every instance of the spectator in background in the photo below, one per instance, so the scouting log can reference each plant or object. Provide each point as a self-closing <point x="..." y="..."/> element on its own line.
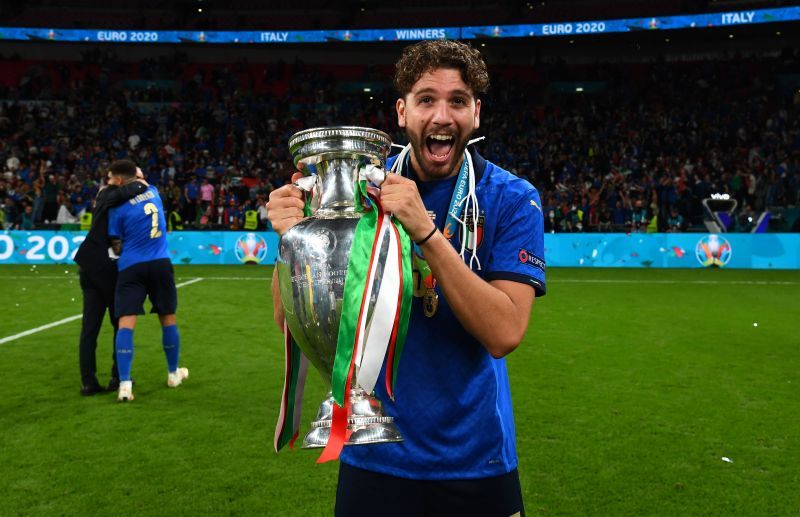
<point x="675" y="220"/>
<point x="263" y="219"/>
<point x="172" y="196"/>
<point x="191" y="200"/>
<point x="65" y="214"/>
<point x="620" y="216"/>
<point x="9" y="213"/>
<point x="639" y="218"/>
<point x="233" y="215"/>
<point x="25" y="219"/>
<point x="51" y="189"/>
<point x="206" y="197"/>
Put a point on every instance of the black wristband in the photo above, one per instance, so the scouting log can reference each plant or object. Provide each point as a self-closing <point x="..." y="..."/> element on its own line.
<point x="423" y="241"/>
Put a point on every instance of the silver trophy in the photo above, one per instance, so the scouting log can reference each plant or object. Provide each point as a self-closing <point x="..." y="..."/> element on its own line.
<point x="312" y="265"/>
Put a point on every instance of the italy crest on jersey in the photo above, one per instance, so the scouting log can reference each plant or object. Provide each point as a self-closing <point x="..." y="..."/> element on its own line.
<point x="473" y="239"/>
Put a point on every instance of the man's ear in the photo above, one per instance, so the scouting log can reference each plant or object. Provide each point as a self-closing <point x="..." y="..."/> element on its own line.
<point x="477" y="113"/>
<point x="400" y="105"/>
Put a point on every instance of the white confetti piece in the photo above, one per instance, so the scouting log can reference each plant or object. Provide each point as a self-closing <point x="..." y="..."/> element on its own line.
<point x="755" y="324"/>
<point x="727" y="459"/>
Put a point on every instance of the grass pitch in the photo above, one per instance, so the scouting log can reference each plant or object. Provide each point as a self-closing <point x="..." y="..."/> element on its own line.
<point x="630" y="388"/>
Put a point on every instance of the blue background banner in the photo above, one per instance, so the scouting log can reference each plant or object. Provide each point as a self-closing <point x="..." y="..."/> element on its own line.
<point x="636" y="250"/>
<point x="272" y="37"/>
<point x="52" y="247"/>
<point x="674" y="250"/>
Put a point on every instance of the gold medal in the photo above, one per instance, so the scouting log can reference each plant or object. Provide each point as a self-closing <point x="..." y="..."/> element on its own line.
<point x="430" y="303"/>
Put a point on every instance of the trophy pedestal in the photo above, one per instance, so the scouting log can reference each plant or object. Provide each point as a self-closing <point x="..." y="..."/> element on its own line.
<point x="365" y="423"/>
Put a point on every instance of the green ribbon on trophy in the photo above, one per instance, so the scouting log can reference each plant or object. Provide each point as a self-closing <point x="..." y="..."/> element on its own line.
<point x="294" y="382"/>
<point x="364" y="344"/>
<point x="368" y="337"/>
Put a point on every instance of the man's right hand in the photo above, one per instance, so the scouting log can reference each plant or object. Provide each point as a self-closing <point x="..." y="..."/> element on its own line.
<point x="285" y="206"/>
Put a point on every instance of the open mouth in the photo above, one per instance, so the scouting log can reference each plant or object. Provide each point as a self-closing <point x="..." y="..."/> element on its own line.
<point x="440" y="146"/>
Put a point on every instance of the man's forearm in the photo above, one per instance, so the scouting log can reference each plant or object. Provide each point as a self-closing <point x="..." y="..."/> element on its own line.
<point x="489" y="313"/>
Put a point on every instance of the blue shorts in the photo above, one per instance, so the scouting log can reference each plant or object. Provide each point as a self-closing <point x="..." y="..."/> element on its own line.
<point x="362" y="493"/>
<point x="154" y="279"/>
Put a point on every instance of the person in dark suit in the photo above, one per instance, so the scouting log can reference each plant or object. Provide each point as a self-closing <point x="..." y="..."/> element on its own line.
<point x="98" y="277"/>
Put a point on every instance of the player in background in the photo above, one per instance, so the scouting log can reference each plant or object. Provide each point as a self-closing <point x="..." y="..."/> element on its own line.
<point x="140" y="229"/>
<point x="98" y="278"/>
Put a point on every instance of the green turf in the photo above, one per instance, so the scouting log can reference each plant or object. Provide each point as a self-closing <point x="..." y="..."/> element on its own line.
<point x="629" y="389"/>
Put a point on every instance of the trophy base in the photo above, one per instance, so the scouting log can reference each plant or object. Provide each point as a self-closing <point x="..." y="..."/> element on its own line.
<point x="365" y="423"/>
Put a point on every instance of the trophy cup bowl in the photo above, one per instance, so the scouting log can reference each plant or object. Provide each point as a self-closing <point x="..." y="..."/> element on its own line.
<point x="312" y="265"/>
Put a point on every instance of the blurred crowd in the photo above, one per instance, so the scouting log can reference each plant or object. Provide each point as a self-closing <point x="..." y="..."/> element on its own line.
<point x="636" y="150"/>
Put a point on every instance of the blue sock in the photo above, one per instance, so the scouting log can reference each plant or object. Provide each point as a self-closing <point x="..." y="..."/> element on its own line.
<point x="124" y="347"/>
<point x="172" y="346"/>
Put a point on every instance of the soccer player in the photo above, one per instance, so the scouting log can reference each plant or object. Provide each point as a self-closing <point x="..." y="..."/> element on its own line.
<point x="98" y="278"/>
<point x="452" y="399"/>
<point x="144" y="270"/>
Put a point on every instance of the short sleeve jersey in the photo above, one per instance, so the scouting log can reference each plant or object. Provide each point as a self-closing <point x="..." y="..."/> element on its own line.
<point x="141" y="226"/>
<point x="452" y="398"/>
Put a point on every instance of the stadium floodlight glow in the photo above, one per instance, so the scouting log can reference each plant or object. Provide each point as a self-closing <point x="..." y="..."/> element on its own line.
<point x="199" y="9"/>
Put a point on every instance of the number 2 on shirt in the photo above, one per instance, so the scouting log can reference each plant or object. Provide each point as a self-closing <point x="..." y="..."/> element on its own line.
<point x="152" y="210"/>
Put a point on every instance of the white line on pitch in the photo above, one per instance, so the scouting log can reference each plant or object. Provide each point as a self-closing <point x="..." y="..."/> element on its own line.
<point x="71" y="318"/>
<point x="39" y="329"/>
<point x="189" y="282"/>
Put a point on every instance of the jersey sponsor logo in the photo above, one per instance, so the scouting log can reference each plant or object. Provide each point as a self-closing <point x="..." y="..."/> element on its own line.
<point x="526" y="257"/>
<point x="250" y="248"/>
<point x="713" y="251"/>
<point x="474" y="235"/>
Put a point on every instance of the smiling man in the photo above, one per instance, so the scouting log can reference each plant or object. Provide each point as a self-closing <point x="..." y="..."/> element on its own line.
<point x="479" y="263"/>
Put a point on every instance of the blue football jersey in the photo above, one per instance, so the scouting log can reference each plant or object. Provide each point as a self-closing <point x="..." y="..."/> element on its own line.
<point x="142" y="227"/>
<point x="452" y="398"/>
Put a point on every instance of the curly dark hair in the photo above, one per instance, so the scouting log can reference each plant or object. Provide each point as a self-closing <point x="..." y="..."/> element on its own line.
<point x="124" y="168"/>
<point x="426" y="56"/>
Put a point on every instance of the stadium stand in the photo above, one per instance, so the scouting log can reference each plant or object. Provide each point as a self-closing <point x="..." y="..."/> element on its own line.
<point x="626" y="145"/>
